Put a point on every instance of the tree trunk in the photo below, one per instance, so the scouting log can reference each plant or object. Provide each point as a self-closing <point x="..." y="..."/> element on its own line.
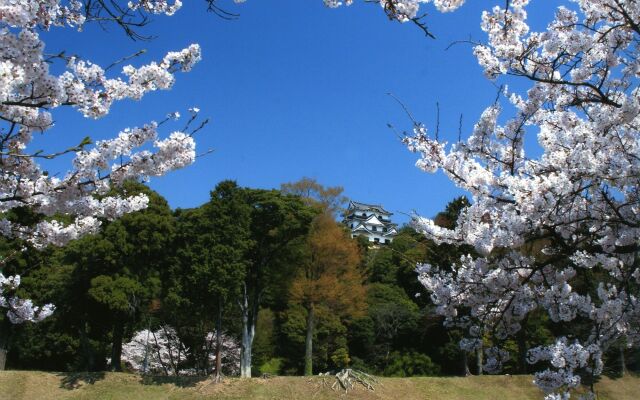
<point x="3" y="358"/>
<point x="89" y="361"/>
<point x="248" y="333"/>
<point x="5" y="332"/>
<point x="308" y="353"/>
<point x="465" y="364"/>
<point x="623" y="364"/>
<point x="116" y="348"/>
<point x="3" y="353"/>
<point x="218" y="374"/>
<point x="145" y="363"/>
<point x="479" y="360"/>
<point x="522" y="352"/>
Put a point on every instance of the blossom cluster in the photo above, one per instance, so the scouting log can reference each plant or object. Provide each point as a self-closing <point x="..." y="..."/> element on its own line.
<point x="402" y="10"/>
<point x="540" y="224"/>
<point x="43" y="13"/>
<point x="29" y="95"/>
<point x="156" y="6"/>
<point x="20" y="310"/>
<point x="566" y="358"/>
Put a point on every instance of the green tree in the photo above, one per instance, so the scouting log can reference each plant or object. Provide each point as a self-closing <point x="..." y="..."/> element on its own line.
<point x="278" y="224"/>
<point x="228" y="215"/>
<point x="265" y="356"/>
<point x="393" y="323"/>
<point x="410" y="364"/>
<point x="211" y="262"/>
<point x="118" y="270"/>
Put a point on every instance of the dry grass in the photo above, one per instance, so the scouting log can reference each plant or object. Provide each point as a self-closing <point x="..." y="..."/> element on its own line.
<point x="29" y="385"/>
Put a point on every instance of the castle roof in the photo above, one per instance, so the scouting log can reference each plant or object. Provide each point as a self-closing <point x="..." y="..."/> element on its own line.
<point x="361" y="228"/>
<point x="363" y="206"/>
<point x="372" y="219"/>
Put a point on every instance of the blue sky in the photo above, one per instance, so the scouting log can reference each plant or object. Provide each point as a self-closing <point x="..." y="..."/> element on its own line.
<point x="294" y="89"/>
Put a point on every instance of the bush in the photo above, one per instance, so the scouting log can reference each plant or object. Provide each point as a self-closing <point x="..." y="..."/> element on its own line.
<point x="272" y="366"/>
<point x="411" y="364"/>
<point x="340" y="358"/>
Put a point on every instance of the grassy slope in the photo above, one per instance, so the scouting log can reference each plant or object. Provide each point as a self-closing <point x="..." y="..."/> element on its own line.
<point x="27" y="385"/>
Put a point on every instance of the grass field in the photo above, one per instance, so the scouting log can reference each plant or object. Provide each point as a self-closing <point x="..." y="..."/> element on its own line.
<point x="29" y="385"/>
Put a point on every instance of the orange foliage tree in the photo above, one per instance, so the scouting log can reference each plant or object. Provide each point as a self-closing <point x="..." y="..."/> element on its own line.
<point x="330" y="279"/>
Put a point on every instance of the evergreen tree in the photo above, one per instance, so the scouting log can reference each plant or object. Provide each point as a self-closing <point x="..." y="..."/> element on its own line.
<point x="211" y="264"/>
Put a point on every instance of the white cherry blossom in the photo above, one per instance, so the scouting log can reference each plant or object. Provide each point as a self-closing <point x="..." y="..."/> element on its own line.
<point x="540" y="224"/>
<point x="30" y="94"/>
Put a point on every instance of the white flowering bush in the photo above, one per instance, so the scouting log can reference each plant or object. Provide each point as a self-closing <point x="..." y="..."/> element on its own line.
<point x="162" y="352"/>
<point x="29" y="96"/>
<point x="559" y="232"/>
<point x="229" y="353"/>
<point x="155" y="352"/>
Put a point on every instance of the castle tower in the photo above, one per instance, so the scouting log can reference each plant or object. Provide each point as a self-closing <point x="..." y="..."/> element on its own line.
<point x="371" y="221"/>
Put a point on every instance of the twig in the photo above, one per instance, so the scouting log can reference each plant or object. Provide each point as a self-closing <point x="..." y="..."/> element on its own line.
<point x="437" y="119"/>
<point x="123" y="59"/>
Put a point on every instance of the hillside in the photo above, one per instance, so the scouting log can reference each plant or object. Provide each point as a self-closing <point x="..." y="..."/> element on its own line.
<point x="27" y="385"/>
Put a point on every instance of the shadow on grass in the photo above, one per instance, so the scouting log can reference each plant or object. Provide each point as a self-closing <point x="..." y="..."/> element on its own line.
<point x="180" y="381"/>
<point x="73" y="380"/>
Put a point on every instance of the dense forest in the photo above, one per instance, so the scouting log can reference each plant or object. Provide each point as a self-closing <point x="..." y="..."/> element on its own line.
<point x="252" y="282"/>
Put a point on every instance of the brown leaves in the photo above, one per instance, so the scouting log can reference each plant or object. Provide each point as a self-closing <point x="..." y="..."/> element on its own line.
<point x="330" y="276"/>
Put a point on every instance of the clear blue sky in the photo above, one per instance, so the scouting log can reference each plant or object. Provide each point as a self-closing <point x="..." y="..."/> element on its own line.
<point x="295" y="89"/>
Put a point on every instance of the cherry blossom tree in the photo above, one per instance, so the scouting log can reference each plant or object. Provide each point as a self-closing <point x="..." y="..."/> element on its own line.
<point x="29" y="95"/>
<point x="230" y="351"/>
<point x="556" y="233"/>
<point x="155" y="352"/>
<point x="162" y="352"/>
